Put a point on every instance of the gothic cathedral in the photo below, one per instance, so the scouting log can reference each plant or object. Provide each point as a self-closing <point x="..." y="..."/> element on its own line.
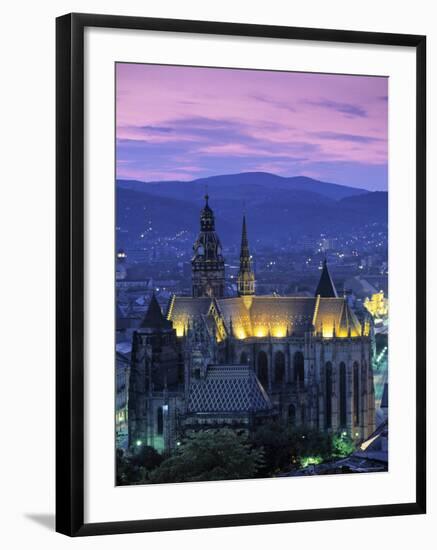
<point x="239" y="361"/>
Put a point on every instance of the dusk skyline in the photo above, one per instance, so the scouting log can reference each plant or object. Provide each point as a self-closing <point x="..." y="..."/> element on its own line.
<point x="184" y="123"/>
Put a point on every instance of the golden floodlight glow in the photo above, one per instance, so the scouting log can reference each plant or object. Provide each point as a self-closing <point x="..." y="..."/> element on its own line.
<point x="328" y="332"/>
<point x="179" y="329"/>
<point x="261" y="332"/>
<point x="279" y="331"/>
<point x="240" y="334"/>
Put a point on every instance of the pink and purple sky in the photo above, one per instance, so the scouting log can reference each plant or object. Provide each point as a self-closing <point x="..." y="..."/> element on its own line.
<point x="183" y="123"/>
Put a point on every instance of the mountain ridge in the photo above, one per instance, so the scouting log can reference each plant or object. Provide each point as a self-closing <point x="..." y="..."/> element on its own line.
<point x="240" y="182"/>
<point x="275" y="214"/>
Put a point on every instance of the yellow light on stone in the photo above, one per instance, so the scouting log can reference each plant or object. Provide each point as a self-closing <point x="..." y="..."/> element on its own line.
<point x="261" y="332"/>
<point x="279" y="331"/>
<point x="241" y="335"/>
<point x="179" y="329"/>
<point x="328" y="332"/>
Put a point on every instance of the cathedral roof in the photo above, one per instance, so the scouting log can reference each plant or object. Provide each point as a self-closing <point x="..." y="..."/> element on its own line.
<point x="228" y="389"/>
<point x="276" y="316"/>
<point x="182" y="309"/>
<point x="326" y="287"/>
<point x="154" y="319"/>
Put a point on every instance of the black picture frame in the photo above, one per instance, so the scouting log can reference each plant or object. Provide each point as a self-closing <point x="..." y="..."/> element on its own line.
<point x="70" y="273"/>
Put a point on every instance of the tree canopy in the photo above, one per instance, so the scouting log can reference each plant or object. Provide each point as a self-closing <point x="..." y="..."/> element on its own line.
<point x="210" y="455"/>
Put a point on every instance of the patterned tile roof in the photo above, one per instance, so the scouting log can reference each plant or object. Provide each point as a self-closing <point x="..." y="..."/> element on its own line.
<point x="228" y="389"/>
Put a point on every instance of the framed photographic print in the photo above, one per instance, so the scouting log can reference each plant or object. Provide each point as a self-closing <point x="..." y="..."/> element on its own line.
<point x="240" y="274"/>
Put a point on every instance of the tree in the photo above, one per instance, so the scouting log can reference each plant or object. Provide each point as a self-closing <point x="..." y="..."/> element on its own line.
<point x="274" y="440"/>
<point x="210" y="455"/>
<point x="342" y="445"/>
<point x="135" y="469"/>
<point x="286" y="447"/>
<point x="307" y="442"/>
<point x="146" y="457"/>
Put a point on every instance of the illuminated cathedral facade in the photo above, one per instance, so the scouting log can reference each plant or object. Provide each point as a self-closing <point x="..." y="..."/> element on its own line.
<point x="215" y="360"/>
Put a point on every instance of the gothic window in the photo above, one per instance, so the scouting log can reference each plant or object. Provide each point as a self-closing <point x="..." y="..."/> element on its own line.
<point x="342" y="395"/>
<point x="356" y="396"/>
<point x="159" y="421"/>
<point x="244" y="359"/>
<point x="299" y="369"/>
<point x="292" y="414"/>
<point x="263" y="373"/>
<point x="328" y="395"/>
<point x="279" y="367"/>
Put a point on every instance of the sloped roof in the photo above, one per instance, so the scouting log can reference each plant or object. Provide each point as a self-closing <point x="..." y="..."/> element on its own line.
<point x="184" y="308"/>
<point x="334" y="313"/>
<point x="254" y="315"/>
<point x="281" y="313"/>
<point x="154" y="317"/>
<point x="326" y="287"/>
<point x="235" y="310"/>
<point x="228" y="389"/>
<point x="261" y="316"/>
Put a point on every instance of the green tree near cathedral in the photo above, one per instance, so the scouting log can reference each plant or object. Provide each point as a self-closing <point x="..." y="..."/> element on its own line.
<point x="210" y="455"/>
<point x="135" y="469"/>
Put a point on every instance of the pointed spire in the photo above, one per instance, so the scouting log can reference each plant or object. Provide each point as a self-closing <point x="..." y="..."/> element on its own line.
<point x="244" y="241"/>
<point x="246" y="276"/>
<point x="154" y="318"/>
<point x="326" y="288"/>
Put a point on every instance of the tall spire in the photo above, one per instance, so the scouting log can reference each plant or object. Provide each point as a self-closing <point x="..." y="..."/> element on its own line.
<point x="246" y="276"/>
<point x="326" y="287"/>
<point x="208" y="265"/>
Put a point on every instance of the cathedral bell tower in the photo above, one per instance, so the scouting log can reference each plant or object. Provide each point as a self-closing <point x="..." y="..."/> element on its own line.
<point x="246" y="276"/>
<point x="208" y="264"/>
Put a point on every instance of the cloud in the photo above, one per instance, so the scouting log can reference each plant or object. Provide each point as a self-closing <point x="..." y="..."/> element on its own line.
<point x="157" y="129"/>
<point x="348" y="109"/>
<point x="354" y="138"/>
<point x="274" y="102"/>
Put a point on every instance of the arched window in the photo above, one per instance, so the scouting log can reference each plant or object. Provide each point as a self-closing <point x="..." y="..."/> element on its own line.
<point x="342" y="395"/>
<point x="299" y="369"/>
<point x="328" y="395"/>
<point x="244" y="359"/>
<point x="159" y="421"/>
<point x="279" y="367"/>
<point x="356" y="394"/>
<point x="292" y="415"/>
<point x="263" y="372"/>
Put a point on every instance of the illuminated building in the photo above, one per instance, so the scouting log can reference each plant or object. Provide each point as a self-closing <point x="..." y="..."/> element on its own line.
<point x="377" y="305"/>
<point x="310" y="356"/>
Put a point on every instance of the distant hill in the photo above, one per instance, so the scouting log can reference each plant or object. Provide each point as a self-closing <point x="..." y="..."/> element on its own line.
<point x="242" y="185"/>
<point x="278" y="209"/>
